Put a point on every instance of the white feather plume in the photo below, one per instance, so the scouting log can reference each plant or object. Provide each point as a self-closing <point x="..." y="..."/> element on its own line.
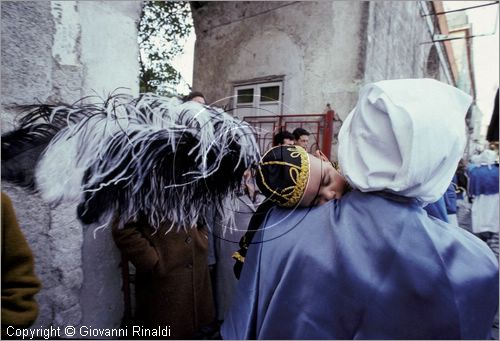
<point x="150" y="156"/>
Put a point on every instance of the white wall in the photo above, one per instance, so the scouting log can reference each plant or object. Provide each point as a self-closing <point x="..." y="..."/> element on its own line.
<point x="74" y="49"/>
<point x="326" y="50"/>
<point x="313" y="44"/>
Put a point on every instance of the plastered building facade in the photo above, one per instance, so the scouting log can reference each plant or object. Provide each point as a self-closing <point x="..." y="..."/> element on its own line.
<point x="61" y="51"/>
<point x="318" y="52"/>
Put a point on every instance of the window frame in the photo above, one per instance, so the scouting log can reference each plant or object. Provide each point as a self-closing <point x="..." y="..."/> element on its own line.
<point x="257" y="86"/>
<point x="244" y="105"/>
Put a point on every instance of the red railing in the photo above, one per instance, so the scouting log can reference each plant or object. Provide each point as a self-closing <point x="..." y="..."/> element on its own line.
<point x="319" y="125"/>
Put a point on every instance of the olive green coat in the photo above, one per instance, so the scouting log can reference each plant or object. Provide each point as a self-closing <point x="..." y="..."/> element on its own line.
<point x="19" y="282"/>
<point x="172" y="281"/>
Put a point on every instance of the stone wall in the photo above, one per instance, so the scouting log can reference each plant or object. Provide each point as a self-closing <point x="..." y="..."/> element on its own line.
<point x="307" y="42"/>
<point x="395" y="33"/>
<point x="325" y="50"/>
<point x="60" y="51"/>
<point x="26" y="79"/>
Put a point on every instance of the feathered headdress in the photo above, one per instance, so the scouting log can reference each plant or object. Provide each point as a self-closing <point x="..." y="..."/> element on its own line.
<point x="131" y="157"/>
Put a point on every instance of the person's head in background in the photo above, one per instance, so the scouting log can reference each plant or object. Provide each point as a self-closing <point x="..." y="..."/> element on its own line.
<point x="284" y="137"/>
<point x="195" y="96"/>
<point x="288" y="176"/>
<point x="301" y="137"/>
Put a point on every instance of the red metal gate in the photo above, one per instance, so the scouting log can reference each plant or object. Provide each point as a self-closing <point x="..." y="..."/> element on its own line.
<point x="319" y="125"/>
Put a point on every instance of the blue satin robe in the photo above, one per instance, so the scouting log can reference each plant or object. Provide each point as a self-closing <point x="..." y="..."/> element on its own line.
<point x="364" y="267"/>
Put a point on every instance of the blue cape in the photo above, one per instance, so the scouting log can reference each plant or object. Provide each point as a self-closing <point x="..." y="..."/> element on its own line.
<point x="438" y="209"/>
<point x="483" y="180"/>
<point x="364" y="267"/>
<point x="450" y="198"/>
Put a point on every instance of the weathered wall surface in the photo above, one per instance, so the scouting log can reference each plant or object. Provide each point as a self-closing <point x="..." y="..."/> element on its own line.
<point x="74" y="49"/>
<point x="395" y="33"/>
<point x="307" y="42"/>
<point x="24" y="78"/>
<point x="109" y="46"/>
<point x="35" y="224"/>
<point x="78" y="49"/>
<point x="326" y="50"/>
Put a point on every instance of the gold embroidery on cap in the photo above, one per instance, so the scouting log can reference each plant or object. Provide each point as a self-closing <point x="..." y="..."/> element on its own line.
<point x="290" y="196"/>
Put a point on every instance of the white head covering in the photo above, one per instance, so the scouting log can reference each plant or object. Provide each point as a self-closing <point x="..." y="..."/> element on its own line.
<point x="405" y="136"/>
<point x="487" y="157"/>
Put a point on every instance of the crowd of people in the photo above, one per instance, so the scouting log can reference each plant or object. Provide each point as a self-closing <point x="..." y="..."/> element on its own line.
<point x="304" y="249"/>
<point x="299" y="137"/>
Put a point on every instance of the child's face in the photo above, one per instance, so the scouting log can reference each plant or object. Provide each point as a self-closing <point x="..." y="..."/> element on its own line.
<point x="324" y="184"/>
